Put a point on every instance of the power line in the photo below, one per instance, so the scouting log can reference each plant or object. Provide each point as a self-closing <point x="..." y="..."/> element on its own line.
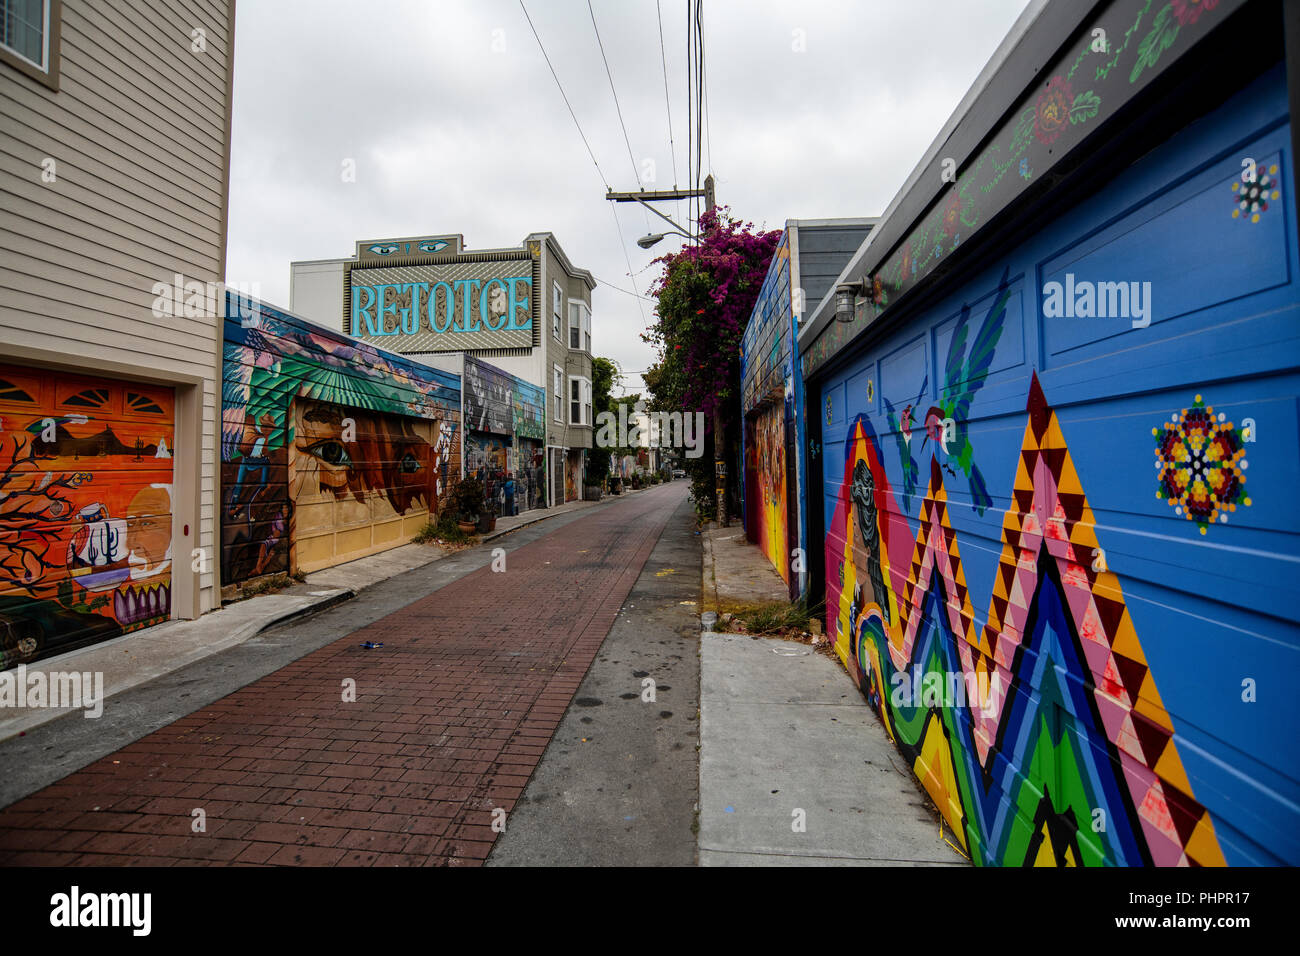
<point x="704" y="73"/>
<point x="560" y="87"/>
<point x="690" y="106"/>
<point x="630" y="157"/>
<point x="616" y="288"/>
<point x="628" y="259"/>
<point x="663" y="59"/>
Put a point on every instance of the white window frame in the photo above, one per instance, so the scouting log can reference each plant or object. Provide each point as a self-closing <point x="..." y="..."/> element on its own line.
<point x="583" y="400"/>
<point x="557" y="310"/>
<point x="579" y="323"/>
<point x="46" y="71"/>
<point x="575" y="324"/>
<point x="557" y="387"/>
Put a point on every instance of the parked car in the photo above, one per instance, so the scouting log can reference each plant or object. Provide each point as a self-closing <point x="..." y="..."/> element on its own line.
<point x="679" y="473"/>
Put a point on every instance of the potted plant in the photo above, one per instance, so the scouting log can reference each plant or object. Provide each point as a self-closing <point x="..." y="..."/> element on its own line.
<point x="469" y="503"/>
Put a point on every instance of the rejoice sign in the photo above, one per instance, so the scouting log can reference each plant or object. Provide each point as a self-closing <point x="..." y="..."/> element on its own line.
<point x="498" y="304"/>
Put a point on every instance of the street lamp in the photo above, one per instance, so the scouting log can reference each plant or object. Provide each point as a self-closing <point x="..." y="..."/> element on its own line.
<point x="645" y="242"/>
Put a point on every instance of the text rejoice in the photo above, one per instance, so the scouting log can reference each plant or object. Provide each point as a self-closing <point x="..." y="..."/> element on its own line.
<point x="462" y="305"/>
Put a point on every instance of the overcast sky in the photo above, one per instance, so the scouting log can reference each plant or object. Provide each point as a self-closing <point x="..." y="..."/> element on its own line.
<point x="456" y="126"/>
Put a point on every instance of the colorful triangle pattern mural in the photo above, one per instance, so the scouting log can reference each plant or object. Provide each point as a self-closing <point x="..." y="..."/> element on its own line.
<point x="1039" y="734"/>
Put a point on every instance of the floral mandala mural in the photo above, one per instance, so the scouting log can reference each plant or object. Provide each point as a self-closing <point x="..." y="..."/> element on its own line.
<point x="1251" y="199"/>
<point x="1201" y="461"/>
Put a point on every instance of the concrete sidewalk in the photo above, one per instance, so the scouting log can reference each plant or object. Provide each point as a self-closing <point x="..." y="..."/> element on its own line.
<point x="795" y="768"/>
<point x="735" y="571"/>
<point x="139" y="657"/>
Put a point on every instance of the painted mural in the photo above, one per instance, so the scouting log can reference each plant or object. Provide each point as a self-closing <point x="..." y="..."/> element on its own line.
<point x="323" y="434"/>
<point x="530" y="474"/>
<point x="573" y="475"/>
<point x="770" y="399"/>
<point x="1086" y="85"/>
<point x="85" y="511"/>
<point x="506" y="429"/>
<point x="766" y="486"/>
<point x="1061" y="723"/>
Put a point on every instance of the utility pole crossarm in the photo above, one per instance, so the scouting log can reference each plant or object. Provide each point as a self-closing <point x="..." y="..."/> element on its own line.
<point x="654" y="194"/>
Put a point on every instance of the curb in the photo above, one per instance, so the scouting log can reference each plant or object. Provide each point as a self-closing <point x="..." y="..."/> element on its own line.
<point x="334" y="600"/>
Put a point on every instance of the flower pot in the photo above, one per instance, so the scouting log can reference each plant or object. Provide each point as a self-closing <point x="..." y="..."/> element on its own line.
<point x="466" y="527"/>
<point x="484" y="523"/>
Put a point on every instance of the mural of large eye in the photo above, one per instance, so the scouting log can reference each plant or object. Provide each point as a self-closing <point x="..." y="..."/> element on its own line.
<point x="331" y="452"/>
<point x="432" y="245"/>
<point x="384" y="248"/>
<point x="409" y="464"/>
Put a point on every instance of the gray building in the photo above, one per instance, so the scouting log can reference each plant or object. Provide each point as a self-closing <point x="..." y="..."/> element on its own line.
<point x="526" y="309"/>
<point x="115" y="137"/>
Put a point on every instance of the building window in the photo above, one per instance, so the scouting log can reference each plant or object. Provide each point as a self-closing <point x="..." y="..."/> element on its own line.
<point x="557" y="310"/>
<point x="29" y="38"/>
<point x="579" y="401"/>
<point x="580" y="326"/>
<point x="558" y="391"/>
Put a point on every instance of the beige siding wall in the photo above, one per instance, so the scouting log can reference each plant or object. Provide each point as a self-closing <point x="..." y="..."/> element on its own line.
<point x="138" y="132"/>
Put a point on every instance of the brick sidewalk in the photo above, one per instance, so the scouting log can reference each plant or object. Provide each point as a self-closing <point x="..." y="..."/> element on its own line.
<point x="451" y="716"/>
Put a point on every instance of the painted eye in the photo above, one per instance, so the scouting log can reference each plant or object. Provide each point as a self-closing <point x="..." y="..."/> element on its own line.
<point x="432" y="245"/>
<point x="409" y="464"/>
<point x="384" y="248"/>
<point x="331" y="452"/>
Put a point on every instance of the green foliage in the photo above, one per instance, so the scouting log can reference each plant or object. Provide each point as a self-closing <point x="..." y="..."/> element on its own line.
<point x="445" y="530"/>
<point x="705" y="297"/>
<point x="776" y="616"/>
<point x="604" y="377"/>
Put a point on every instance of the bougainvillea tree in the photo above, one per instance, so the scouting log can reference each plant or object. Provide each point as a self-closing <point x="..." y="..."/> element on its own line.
<point x="705" y="295"/>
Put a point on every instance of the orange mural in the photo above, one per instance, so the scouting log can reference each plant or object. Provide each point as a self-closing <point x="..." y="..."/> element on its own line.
<point x="85" y="510"/>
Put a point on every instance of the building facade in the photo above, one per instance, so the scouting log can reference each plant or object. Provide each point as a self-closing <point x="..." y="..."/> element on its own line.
<point x="525" y="309"/>
<point x="115" y="127"/>
<point x="807" y="261"/>
<point x="1058" y="540"/>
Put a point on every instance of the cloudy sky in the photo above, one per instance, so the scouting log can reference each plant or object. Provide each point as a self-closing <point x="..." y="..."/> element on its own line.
<point x="816" y="108"/>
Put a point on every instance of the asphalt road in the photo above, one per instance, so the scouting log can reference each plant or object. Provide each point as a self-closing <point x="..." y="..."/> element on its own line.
<point x="619" y="783"/>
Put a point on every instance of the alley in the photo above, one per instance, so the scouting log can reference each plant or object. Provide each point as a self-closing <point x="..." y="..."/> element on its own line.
<point x="451" y="716"/>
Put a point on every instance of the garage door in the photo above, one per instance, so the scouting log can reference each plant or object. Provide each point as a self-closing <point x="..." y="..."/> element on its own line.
<point x="85" y="510"/>
<point x="360" y="481"/>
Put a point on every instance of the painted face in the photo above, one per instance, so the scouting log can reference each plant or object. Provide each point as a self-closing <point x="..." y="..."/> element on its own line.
<point x="149" y="533"/>
<point x="320" y="437"/>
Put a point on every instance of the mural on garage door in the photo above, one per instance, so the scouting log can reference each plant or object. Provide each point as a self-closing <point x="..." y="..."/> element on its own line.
<point x="85" y="510"/>
<point x="1057" y="722"/>
<point x="363" y="441"/>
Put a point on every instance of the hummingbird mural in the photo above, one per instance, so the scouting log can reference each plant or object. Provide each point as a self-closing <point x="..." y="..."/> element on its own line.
<point x="900" y="426"/>
<point x="964" y="375"/>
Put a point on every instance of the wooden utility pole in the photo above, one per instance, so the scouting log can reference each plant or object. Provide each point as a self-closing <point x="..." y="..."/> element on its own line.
<point x="709" y="195"/>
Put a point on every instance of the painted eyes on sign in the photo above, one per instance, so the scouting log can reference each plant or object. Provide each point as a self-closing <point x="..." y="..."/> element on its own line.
<point x="384" y="248"/>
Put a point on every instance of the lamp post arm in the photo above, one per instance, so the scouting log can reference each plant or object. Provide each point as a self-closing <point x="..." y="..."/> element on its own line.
<point x="676" y="228"/>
